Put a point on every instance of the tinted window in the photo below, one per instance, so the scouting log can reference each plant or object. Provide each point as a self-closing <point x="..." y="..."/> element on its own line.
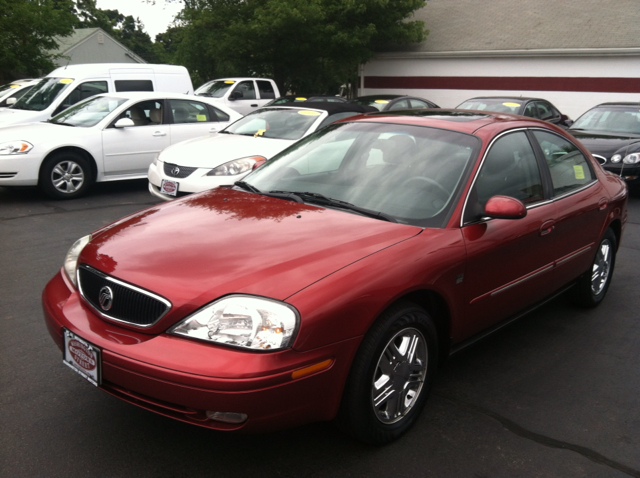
<point x="530" y="110"/>
<point x="510" y="169"/>
<point x="216" y="113"/>
<point x="568" y="167"/>
<point x="266" y="89"/>
<point x="189" y="112"/>
<point x="546" y="111"/>
<point x="247" y="89"/>
<point x="133" y="85"/>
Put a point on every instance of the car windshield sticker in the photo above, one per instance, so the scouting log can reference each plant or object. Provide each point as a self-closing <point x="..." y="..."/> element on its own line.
<point x="382" y="101"/>
<point x="260" y="132"/>
<point x="512" y="105"/>
<point x="231" y="82"/>
<point x="201" y="117"/>
<point x="308" y="113"/>
<point x="66" y="81"/>
<point x="301" y="99"/>
<point x="14" y="86"/>
<point x="579" y="172"/>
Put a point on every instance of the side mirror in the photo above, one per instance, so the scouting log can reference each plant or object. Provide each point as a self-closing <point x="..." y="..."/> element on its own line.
<point x="504" y="207"/>
<point x="11" y="101"/>
<point x="236" y="95"/>
<point x="124" y="122"/>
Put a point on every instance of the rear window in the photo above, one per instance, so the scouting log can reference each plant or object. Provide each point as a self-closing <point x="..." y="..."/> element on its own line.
<point x="134" y="85"/>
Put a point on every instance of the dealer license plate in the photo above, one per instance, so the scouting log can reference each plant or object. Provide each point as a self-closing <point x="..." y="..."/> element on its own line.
<point x="169" y="187"/>
<point x="82" y="357"/>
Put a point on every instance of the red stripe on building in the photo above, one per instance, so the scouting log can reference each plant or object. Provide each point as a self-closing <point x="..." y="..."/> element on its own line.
<point x="601" y="85"/>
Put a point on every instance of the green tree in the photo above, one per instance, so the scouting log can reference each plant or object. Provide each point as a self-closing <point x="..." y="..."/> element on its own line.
<point x="27" y="29"/>
<point x="307" y="46"/>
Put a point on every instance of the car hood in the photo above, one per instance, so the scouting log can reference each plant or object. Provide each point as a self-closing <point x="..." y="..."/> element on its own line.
<point x="222" y="241"/>
<point x="603" y="143"/>
<point x="218" y="148"/>
<point x="41" y="133"/>
<point x="14" y="116"/>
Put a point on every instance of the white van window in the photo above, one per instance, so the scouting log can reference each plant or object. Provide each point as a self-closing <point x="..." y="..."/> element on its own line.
<point x="43" y="94"/>
<point x="82" y="92"/>
<point x="133" y="85"/>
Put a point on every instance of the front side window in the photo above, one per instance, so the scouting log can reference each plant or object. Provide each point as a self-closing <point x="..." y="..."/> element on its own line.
<point x="149" y="112"/>
<point x="88" y="113"/>
<point x="43" y="94"/>
<point x="546" y="111"/>
<point x="83" y="91"/>
<point x="246" y="89"/>
<point x="530" y="110"/>
<point x="568" y="166"/>
<point x="400" y="105"/>
<point x="189" y="112"/>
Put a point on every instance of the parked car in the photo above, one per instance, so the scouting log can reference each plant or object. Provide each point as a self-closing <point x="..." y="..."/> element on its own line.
<point x="611" y="131"/>
<point x="333" y="280"/>
<point x="105" y="138"/>
<point x="531" y="107"/>
<point x="300" y="99"/>
<point x="11" y="92"/>
<point x="223" y="158"/>
<point x="394" y="102"/>
<point x="68" y="85"/>
<point x="241" y="94"/>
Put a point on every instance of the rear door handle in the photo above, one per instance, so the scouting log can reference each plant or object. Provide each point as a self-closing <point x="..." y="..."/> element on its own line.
<point x="602" y="205"/>
<point x="159" y="133"/>
<point x="547" y="227"/>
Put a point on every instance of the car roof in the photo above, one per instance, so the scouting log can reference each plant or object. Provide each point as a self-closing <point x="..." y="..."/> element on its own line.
<point x="330" y="107"/>
<point x="621" y="104"/>
<point x="378" y="97"/>
<point x="509" y="98"/>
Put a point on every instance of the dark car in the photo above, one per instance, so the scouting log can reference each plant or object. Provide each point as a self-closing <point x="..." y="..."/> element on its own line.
<point x="332" y="281"/>
<point x="531" y="107"/>
<point x="302" y="98"/>
<point x="394" y="102"/>
<point x="611" y="132"/>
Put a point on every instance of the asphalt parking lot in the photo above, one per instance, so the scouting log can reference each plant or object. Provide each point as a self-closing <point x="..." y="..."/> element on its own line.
<point x="556" y="394"/>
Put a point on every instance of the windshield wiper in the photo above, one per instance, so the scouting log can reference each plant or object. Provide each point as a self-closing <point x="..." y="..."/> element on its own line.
<point x="247" y="187"/>
<point x="317" y="198"/>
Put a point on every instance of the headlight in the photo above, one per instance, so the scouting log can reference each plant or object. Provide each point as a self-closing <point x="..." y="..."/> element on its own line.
<point x="616" y="158"/>
<point x="632" y="158"/>
<point x="237" y="166"/>
<point x="71" y="260"/>
<point x="15" y="147"/>
<point x="242" y="321"/>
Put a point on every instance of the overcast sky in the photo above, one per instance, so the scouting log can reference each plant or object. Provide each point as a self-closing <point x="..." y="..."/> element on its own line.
<point x="156" y="18"/>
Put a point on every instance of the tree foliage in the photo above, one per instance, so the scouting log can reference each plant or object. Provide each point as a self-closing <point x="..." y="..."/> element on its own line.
<point x="27" y="29"/>
<point x="307" y="46"/>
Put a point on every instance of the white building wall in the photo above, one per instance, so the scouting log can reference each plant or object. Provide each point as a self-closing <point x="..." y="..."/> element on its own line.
<point x="604" y="68"/>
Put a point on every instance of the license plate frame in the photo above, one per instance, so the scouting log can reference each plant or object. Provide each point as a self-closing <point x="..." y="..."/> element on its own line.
<point x="169" y="187"/>
<point x="82" y="357"/>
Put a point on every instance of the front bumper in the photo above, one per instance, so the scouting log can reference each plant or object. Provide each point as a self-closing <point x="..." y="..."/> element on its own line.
<point x="196" y="182"/>
<point x="20" y="169"/>
<point x="630" y="172"/>
<point x="183" y="378"/>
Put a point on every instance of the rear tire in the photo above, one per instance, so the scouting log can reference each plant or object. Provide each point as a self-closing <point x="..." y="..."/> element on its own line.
<point x="65" y="176"/>
<point x="390" y="376"/>
<point x="594" y="284"/>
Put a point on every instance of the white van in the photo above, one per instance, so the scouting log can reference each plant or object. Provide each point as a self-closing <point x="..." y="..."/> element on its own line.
<point x="67" y="85"/>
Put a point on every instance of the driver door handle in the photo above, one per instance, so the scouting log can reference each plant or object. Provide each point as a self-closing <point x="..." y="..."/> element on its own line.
<point x="547" y="227"/>
<point x="159" y="133"/>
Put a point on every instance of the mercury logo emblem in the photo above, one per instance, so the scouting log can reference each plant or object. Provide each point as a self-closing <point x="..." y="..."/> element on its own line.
<point x="105" y="298"/>
<point x="175" y="170"/>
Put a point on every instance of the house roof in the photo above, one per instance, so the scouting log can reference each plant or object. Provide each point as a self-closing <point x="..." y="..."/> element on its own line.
<point x="80" y="35"/>
<point x="533" y="25"/>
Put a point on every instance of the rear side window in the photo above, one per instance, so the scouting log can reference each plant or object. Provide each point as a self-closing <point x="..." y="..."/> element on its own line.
<point x="568" y="167"/>
<point x="189" y="112"/>
<point x="134" y="85"/>
<point x="266" y="90"/>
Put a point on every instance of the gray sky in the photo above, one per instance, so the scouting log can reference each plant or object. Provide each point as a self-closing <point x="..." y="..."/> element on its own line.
<point x="156" y="18"/>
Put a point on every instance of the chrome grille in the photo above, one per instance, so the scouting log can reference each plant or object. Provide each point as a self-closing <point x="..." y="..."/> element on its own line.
<point x="128" y="303"/>
<point x="176" y="171"/>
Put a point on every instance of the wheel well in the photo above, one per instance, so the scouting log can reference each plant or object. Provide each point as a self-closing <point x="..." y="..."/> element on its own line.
<point x="438" y="309"/>
<point x="72" y="149"/>
<point x="616" y="227"/>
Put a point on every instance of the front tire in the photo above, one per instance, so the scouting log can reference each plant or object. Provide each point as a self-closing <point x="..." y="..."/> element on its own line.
<point x="390" y="376"/>
<point x="594" y="284"/>
<point x="65" y="176"/>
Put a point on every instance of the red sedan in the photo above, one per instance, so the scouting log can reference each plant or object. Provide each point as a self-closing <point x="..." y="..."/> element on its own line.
<point x="333" y="280"/>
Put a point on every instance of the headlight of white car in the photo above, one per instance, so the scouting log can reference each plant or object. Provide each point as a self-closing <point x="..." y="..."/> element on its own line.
<point x="15" y="147"/>
<point x="633" y="158"/>
<point x="237" y="166"/>
<point x="243" y="321"/>
<point x="71" y="260"/>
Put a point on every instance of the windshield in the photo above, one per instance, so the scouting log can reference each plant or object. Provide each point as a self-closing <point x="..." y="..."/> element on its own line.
<point x="7" y="87"/>
<point x="411" y="174"/>
<point x="276" y="123"/>
<point x="616" y="120"/>
<point x="215" y="89"/>
<point x="43" y="94"/>
<point x="88" y="113"/>
<point x="495" y="106"/>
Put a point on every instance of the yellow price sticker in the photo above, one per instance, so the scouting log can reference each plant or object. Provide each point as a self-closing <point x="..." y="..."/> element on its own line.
<point x="308" y="113"/>
<point x="382" y="101"/>
<point x="66" y="81"/>
<point x="230" y="82"/>
<point x="201" y="117"/>
<point x="301" y="99"/>
<point x="511" y="105"/>
<point x="14" y="86"/>
<point x="260" y="132"/>
<point x="579" y="172"/>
